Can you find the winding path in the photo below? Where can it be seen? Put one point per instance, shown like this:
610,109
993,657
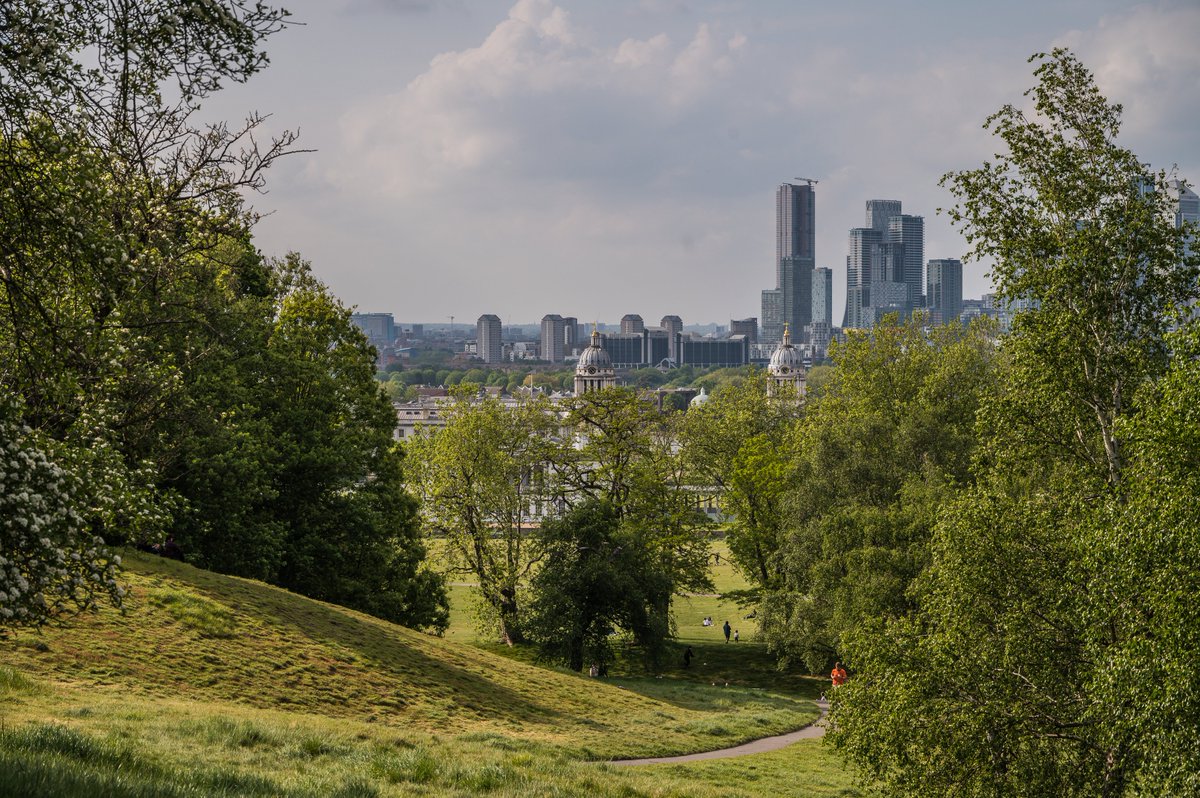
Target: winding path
759,746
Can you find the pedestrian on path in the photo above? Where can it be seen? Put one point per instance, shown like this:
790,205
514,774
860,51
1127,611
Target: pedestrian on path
839,675
727,629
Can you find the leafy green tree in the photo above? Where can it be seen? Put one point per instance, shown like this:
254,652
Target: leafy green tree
872,461
598,579
622,451
481,479
111,195
1051,614
738,443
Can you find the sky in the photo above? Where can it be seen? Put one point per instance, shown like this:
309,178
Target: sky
594,159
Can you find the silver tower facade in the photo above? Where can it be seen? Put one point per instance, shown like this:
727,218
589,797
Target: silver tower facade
795,257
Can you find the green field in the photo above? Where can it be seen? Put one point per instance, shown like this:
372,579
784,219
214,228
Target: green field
212,685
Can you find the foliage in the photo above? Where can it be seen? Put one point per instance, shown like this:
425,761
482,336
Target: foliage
874,459
1052,614
599,579
738,443
49,564
481,479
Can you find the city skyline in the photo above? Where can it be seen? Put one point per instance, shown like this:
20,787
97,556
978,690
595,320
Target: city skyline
532,155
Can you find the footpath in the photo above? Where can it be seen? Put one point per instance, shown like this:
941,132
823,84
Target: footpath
760,746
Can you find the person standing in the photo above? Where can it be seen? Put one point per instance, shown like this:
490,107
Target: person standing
727,629
687,657
736,635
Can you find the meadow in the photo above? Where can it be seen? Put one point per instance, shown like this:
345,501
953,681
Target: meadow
213,685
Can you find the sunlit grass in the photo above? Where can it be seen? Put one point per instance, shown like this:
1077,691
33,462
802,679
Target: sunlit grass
209,685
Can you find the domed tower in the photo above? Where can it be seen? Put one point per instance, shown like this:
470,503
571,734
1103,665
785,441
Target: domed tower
786,369
595,368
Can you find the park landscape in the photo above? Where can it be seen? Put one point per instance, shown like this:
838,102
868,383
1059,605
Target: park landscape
225,686
996,531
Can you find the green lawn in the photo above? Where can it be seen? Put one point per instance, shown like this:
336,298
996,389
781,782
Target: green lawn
211,685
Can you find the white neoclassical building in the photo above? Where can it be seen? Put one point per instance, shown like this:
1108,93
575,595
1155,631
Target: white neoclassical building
594,369
786,369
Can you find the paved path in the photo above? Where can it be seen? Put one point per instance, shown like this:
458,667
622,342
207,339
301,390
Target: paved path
762,745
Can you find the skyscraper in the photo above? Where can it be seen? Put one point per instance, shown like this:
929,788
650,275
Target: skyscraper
487,338
906,235
864,264
795,257
943,296
822,296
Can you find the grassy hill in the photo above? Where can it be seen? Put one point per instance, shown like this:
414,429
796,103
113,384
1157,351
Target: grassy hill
212,685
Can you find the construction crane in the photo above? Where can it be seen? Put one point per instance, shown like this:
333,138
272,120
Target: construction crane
808,180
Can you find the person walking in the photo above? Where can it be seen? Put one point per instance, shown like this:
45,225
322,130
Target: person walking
839,675
687,657
736,635
727,629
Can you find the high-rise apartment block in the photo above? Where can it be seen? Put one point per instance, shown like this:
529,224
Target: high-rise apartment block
487,338
944,290
632,323
822,296
790,302
553,337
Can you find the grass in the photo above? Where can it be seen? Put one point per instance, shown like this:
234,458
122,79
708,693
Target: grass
211,685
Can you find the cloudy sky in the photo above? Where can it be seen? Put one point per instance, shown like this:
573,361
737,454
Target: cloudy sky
601,158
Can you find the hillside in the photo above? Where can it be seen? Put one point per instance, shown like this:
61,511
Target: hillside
204,671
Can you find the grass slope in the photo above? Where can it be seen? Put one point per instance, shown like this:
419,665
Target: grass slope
211,685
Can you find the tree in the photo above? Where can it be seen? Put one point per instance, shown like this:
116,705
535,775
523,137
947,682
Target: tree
482,479
737,443
1054,574
111,191
873,461
598,578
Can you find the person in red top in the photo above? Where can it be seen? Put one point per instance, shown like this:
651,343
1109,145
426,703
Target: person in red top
838,675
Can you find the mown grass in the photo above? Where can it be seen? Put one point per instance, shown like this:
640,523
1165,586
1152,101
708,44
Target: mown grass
209,685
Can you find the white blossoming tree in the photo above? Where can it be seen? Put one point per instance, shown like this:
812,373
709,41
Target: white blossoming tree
50,564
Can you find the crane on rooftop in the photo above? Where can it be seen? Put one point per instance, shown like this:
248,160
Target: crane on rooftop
808,180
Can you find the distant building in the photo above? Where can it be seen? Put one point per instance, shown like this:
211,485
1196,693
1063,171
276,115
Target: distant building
786,369
790,302
906,238
672,325
944,290
488,344
822,297
553,337
721,352
747,327
632,323
573,338
594,371
380,328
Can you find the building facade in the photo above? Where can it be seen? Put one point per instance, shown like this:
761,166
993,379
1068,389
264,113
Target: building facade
944,290
790,302
488,346
553,338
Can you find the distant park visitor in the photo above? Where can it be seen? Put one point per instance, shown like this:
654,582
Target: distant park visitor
838,675
736,635
727,629
687,657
